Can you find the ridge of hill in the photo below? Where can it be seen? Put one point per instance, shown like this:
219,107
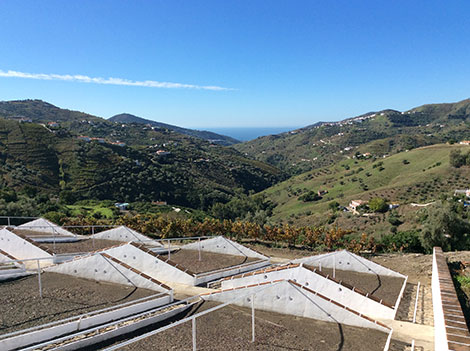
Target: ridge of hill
97,159
39,111
421,175
378,133
202,134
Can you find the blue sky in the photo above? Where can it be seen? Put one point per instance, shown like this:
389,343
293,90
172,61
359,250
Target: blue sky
283,63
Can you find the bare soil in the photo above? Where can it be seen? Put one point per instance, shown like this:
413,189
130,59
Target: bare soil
209,261
87,245
229,328
63,296
385,288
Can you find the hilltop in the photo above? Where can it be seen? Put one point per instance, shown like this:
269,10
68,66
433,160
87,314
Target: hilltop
79,156
378,133
202,134
421,175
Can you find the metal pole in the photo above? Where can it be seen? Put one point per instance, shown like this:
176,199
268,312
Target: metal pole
92,236
320,266
194,334
169,252
416,303
8,221
413,345
39,277
334,266
252,318
199,248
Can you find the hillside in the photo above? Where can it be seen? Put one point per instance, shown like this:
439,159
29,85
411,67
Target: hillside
155,165
421,175
379,133
202,134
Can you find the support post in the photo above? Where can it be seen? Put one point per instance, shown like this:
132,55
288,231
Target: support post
169,251
416,303
413,345
252,318
39,278
92,237
334,266
193,321
8,221
320,266
199,248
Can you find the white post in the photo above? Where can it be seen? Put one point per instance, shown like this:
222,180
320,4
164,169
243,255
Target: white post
92,237
199,248
320,265
416,303
39,277
334,266
8,221
252,318
169,252
413,345
194,334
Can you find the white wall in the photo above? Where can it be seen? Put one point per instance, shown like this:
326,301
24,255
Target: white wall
222,245
125,234
23,249
97,267
347,261
322,285
286,298
149,264
44,226
440,335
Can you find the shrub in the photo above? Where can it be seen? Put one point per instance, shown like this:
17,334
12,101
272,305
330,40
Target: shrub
407,241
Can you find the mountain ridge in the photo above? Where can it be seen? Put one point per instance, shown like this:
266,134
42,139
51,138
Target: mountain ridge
202,134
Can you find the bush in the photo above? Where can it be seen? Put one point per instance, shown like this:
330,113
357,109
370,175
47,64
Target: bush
378,204
408,241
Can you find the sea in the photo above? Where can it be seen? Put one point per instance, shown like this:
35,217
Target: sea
249,133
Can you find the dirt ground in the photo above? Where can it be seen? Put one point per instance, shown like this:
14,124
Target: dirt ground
385,288
229,328
87,245
209,261
63,296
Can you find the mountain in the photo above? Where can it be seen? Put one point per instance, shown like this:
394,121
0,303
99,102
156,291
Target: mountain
87,157
421,175
212,137
41,111
378,133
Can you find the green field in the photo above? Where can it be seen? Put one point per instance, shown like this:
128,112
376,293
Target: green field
420,175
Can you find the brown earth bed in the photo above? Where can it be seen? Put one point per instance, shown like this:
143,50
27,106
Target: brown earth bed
383,287
229,328
63,296
87,245
209,261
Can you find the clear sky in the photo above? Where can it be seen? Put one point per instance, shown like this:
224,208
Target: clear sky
235,63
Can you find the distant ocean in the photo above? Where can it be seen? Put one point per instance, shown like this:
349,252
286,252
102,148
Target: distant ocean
246,133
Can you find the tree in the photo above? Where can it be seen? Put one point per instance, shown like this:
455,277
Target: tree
443,227
333,205
378,204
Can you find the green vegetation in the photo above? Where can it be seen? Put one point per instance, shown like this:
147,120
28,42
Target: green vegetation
385,133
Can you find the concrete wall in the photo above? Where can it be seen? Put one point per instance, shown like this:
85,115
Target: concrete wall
125,234
20,248
347,261
289,298
44,226
324,286
150,264
222,245
101,268
81,322
226,272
